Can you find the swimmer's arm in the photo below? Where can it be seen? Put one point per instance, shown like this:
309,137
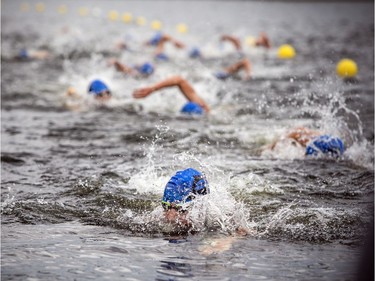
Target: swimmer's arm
39,54
236,42
167,38
223,244
263,41
242,64
302,135
122,68
184,86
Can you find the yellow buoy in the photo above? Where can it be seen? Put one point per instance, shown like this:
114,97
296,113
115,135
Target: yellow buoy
250,41
40,7
141,21
24,7
286,52
346,68
127,17
83,11
182,28
113,15
156,25
62,9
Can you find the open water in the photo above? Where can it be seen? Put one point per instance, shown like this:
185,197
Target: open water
81,189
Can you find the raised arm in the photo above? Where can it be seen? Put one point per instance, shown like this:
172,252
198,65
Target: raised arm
303,135
263,40
164,39
242,64
184,86
235,41
122,68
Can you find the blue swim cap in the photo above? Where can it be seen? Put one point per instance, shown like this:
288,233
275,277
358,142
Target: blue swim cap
195,53
192,108
146,68
184,186
23,54
97,87
222,75
162,56
156,39
326,144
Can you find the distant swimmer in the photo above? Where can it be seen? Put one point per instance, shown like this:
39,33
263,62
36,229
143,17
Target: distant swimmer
236,42
195,106
28,54
159,40
195,53
263,41
243,64
142,70
313,142
180,191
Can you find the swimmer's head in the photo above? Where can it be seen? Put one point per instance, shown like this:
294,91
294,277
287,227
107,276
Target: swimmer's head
99,89
23,54
184,187
146,68
327,145
162,57
195,53
192,108
156,39
222,75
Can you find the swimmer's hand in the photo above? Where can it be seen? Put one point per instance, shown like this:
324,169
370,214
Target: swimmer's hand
179,45
142,92
243,231
71,92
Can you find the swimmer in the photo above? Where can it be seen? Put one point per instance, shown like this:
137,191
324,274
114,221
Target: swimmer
314,143
196,104
243,64
263,41
25,54
121,45
159,41
180,191
97,88
234,40
195,53
142,70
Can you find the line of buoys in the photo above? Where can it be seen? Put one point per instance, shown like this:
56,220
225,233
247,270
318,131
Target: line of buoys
345,68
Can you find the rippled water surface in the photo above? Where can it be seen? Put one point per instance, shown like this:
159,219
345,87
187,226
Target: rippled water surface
81,187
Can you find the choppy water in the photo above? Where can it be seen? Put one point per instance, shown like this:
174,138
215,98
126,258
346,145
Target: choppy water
80,190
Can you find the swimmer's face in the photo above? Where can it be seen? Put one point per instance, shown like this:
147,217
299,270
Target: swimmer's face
175,216
103,96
